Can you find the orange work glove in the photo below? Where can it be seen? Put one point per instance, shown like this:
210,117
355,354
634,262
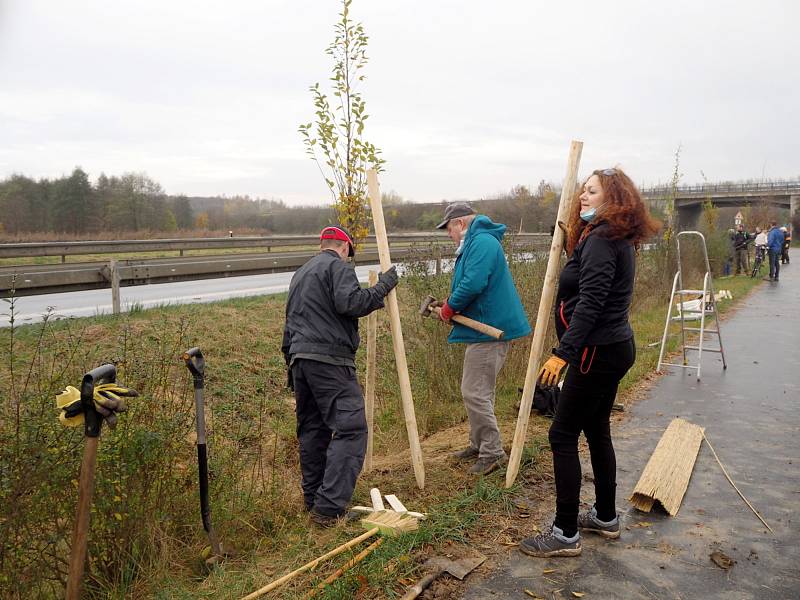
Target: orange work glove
551,370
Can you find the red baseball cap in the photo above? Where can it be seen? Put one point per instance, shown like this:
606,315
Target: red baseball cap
334,232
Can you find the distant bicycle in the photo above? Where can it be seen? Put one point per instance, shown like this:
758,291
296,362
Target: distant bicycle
761,252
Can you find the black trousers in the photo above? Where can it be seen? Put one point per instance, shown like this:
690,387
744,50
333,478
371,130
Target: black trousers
584,405
332,431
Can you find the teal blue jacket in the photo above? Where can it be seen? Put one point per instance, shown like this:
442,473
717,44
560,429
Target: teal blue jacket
482,288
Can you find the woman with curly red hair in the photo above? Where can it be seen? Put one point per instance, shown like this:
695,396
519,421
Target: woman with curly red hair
595,289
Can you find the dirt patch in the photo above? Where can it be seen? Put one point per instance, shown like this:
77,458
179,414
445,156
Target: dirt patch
436,448
499,529
495,538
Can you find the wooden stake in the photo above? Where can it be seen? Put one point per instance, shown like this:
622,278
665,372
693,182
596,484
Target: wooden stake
77,557
338,550
545,309
395,503
397,332
377,501
372,338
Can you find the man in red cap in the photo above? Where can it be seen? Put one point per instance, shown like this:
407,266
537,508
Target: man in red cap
320,340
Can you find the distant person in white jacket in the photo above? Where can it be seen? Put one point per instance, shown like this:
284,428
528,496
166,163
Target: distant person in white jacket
761,245
761,238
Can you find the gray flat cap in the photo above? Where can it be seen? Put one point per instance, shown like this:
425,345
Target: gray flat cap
455,210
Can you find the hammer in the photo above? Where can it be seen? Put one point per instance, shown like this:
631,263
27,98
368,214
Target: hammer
426,308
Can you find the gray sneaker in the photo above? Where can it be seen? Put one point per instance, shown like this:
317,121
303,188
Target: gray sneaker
588,521
468,453
550,544
484,466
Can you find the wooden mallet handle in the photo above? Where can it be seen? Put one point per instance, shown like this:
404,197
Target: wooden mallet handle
419,587
483,328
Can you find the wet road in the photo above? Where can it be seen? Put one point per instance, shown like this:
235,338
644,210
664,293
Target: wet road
29,309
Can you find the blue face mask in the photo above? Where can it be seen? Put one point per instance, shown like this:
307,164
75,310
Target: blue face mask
590,214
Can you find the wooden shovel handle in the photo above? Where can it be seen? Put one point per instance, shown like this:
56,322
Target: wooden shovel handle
420,586
80,534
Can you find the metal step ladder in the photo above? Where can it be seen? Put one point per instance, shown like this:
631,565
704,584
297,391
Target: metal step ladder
704,307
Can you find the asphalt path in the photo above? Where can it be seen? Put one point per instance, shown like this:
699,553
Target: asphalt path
751,413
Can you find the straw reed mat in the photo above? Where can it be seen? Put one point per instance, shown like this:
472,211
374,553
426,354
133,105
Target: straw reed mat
667,473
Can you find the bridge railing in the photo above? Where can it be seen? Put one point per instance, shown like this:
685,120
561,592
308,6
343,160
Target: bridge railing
766,187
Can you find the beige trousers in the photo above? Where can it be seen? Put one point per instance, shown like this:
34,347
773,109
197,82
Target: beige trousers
482,363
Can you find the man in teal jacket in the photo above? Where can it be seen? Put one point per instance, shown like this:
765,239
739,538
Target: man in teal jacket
481,289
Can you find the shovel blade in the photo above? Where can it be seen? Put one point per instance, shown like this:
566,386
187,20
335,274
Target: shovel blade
457,568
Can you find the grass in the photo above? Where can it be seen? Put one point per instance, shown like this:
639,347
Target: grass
460,512
154,548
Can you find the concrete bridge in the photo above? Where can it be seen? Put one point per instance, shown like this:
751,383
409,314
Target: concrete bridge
689,199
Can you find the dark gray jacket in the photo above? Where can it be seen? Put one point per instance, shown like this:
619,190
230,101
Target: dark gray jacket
324,305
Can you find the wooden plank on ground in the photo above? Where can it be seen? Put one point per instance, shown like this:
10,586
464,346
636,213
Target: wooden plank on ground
395,503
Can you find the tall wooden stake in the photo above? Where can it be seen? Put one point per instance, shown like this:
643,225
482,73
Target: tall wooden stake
397,332
372,338
545,309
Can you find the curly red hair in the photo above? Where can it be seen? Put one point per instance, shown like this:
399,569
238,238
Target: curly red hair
624,211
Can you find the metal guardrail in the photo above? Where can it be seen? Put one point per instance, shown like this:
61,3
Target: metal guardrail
29,280
38,249
768,187
30,249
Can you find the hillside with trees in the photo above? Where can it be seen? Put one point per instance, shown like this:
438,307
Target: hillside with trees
134,205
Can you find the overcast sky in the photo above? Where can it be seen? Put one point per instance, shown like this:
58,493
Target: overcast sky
466,98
